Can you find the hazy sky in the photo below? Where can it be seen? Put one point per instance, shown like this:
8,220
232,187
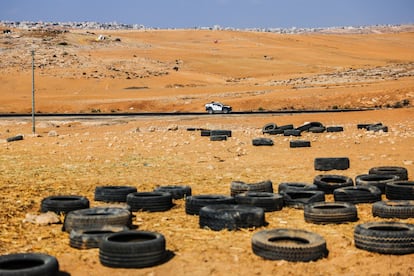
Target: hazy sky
206,13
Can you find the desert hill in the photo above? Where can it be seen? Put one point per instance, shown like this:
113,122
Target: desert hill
180,70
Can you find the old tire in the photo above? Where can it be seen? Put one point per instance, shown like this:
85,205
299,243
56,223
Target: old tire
86,239
150,201
385,237
231,217
334,129
113,193
268,127
358,194
218,137
63,203
291,132
268,201
330,212
299,143
15,138
193,204
298,199
262,142
329,182
238,187
402,209
30,264
401,172
376,180
220,132
292,245
331,163
400,190
296,186
177,192
96,218
132,249
205,132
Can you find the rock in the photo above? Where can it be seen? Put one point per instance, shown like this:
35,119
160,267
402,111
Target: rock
52,133
43,218
172,127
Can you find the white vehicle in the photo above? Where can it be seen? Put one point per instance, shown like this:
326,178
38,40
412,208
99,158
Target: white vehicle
217,107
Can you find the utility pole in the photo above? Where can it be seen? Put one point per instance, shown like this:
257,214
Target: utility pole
33,96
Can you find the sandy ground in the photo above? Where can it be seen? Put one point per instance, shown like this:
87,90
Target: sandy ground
249,71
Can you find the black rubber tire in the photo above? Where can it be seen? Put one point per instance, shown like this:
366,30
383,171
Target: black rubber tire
358,194
375,128
275,131
331,163
231,217
193,204
177,192
268,127
299,143
315,129
307,126
86,239
238,187
401,172
400,190
268,201
376,180
220,132
298,199
205,132
294,245
28,264
330,212
15,138
218,138
329,182
63,203
113,193
133,249
150,201
96,218
285,127
334,129
262,142
402,209
385,237
292,132
366,126
296,186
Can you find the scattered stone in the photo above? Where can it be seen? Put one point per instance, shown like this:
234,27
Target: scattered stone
43,218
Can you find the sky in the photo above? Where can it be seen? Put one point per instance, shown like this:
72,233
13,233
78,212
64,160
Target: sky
207,13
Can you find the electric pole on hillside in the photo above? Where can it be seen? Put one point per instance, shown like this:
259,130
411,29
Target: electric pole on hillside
33,96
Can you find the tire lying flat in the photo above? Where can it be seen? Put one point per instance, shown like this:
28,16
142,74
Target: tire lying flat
400,190
358,194
193,204
377,180
401,172
150,201
231,217
299,198
63,203
293,245
402,209
177,192
385,237
268,201
133,249
113,193
330,212
329,182
29,264
96,218
238,187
